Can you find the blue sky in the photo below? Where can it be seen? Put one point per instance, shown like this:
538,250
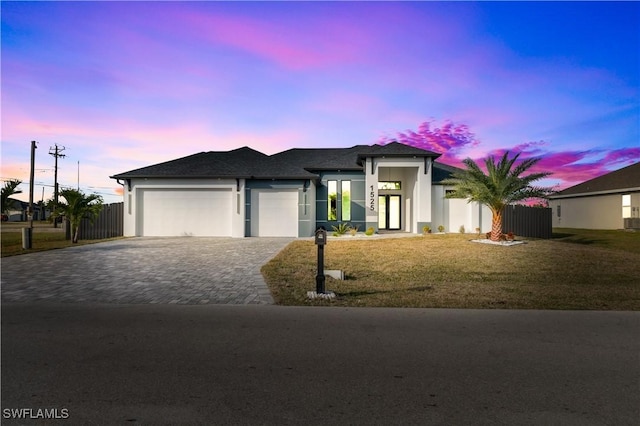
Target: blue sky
123,85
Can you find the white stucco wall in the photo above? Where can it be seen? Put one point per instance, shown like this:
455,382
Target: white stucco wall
591,212
452,213
416,189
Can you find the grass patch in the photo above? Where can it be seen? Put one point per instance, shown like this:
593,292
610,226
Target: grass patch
44,237
448,271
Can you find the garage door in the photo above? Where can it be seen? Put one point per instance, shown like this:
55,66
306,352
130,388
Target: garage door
180,212
274,213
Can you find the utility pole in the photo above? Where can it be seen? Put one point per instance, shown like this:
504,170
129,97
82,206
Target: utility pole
56,153
27,233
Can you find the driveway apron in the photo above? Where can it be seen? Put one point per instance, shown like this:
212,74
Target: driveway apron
180,270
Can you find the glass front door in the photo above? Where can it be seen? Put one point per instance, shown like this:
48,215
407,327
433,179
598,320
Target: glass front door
389,212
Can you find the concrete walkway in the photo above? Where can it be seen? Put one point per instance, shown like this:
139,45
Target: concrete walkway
184,270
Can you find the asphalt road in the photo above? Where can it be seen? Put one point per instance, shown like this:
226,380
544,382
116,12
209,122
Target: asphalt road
272,365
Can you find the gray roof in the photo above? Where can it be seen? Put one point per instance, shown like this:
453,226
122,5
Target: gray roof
244,163
616,181
247,163
442,172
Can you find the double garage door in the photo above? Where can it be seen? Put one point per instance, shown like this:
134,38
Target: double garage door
208,212
185,212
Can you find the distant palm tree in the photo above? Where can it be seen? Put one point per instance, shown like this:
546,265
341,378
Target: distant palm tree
77,207
9,188
501,186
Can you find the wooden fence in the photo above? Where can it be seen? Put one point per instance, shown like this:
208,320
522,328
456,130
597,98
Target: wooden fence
526,221
108,224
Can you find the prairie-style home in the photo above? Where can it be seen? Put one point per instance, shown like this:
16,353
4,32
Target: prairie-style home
245,193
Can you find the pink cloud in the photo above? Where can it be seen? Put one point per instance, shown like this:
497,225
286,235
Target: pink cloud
449,139
318,41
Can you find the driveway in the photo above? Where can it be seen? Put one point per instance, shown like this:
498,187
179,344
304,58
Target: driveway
181,270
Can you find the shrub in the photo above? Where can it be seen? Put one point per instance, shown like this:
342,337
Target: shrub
369,231
341,229
426,229
353,230
440,228
461,229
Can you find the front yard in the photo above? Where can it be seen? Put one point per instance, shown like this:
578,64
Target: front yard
575,270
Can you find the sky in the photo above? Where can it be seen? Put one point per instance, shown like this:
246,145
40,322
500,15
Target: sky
123,85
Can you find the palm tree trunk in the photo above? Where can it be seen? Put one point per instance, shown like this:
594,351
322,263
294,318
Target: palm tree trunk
496,225
76,230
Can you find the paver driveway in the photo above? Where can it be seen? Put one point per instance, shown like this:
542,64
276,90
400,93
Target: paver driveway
183,270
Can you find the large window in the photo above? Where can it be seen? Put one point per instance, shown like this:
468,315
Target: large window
341,199
626,206
332,200
346,199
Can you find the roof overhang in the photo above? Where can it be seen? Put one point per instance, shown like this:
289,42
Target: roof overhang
595,193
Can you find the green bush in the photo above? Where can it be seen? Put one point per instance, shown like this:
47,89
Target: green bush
341,229
370,231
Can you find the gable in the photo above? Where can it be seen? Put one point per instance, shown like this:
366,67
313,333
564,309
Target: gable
296,163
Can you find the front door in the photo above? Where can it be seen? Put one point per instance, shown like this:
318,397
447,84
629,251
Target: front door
389,212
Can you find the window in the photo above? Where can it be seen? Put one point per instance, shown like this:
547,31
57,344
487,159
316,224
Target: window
390,185
342,199
626,206
332,200
346,199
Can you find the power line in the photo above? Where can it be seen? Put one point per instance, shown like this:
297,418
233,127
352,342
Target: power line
56,153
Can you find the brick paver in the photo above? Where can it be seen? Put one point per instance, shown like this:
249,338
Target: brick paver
181,270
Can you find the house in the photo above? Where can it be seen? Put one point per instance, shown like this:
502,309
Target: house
17,211
600,203
243,192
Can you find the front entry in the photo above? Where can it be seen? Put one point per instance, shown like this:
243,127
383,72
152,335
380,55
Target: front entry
389,212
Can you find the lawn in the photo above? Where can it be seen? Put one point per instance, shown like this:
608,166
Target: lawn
576,269
44,237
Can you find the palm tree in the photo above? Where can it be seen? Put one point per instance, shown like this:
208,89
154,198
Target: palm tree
77,207
502,185
9,188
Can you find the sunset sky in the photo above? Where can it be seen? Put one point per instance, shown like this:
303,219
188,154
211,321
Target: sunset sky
123,85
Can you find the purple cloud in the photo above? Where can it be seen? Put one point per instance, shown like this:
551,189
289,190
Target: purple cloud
568,167
449,139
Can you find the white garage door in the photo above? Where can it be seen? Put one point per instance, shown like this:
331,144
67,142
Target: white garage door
274,213
181,212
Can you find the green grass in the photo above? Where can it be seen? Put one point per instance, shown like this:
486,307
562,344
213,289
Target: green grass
44,237
574,270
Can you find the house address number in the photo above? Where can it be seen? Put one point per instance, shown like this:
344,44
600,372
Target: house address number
372,199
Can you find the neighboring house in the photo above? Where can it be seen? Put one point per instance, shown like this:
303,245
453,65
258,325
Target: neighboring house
243,192
17,211
600,203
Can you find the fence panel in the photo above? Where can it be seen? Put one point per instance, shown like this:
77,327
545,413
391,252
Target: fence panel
527,221
108,224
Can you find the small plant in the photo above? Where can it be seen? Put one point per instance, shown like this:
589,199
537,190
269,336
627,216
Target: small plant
426,229
440,228
369,231
341,229
510,236
353,230
461,229
478,232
